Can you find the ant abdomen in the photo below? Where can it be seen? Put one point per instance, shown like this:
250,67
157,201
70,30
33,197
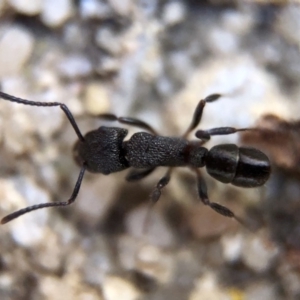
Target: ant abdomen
240,166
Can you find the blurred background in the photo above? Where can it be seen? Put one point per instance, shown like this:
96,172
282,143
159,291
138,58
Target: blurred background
153,60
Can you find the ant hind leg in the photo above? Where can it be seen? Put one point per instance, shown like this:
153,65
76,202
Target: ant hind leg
202,191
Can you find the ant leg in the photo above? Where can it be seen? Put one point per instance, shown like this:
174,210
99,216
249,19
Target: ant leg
128,121
28,209
135,175
198,112
202,191
205,135
155,195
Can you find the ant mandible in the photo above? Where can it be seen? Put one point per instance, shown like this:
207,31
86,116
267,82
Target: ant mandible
104,151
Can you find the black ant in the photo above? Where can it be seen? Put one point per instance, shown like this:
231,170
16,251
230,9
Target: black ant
104,151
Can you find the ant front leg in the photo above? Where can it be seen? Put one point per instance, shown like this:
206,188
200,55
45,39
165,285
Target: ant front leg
199,111
128,121
205,135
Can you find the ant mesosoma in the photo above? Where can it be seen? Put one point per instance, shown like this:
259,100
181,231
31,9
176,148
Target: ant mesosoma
104,151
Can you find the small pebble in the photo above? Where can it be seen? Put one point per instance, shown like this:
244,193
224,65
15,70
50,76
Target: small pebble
157,232
123,7
262,291
56,12
290,279
107,65
96,98
108,40
16,46
222,41
206,288
75,66
258,253
94,9
174,12
52,287
127,249
232,247
29,8
5,281
49,255
99,260
288,23
115,288
155,263
239,23
28,230
75,36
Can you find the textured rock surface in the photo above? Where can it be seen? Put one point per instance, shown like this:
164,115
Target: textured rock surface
152,60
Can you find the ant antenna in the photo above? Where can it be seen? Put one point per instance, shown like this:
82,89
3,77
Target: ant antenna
71,119
46,104
28,209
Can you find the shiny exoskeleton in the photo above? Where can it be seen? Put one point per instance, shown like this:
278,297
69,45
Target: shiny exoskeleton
105,151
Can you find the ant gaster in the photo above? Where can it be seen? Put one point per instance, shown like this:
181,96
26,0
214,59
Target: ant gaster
104,151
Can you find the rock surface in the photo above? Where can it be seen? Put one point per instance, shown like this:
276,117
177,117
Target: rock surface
152,60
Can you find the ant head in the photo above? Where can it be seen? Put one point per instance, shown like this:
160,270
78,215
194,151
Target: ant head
101,150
